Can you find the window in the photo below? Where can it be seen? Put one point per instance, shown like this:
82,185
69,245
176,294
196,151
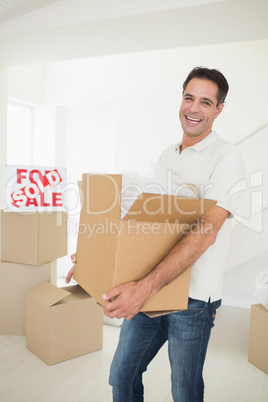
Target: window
19,135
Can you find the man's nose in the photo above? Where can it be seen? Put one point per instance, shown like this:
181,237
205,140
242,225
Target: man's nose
194,107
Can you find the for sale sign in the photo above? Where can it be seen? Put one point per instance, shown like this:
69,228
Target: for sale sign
34,188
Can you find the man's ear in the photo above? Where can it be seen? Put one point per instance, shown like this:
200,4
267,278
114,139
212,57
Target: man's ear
219,110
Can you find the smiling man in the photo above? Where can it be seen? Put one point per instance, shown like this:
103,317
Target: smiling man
198,110
214,166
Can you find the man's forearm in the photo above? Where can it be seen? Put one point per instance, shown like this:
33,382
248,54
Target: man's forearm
181,256
185,253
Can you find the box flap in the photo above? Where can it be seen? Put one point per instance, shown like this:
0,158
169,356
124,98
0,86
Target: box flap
76,293
101,194
96,255
48,294
162,208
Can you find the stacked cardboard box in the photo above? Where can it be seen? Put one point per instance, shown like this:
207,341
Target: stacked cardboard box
258,335
33,238
59,323
30,245
16,281
62,323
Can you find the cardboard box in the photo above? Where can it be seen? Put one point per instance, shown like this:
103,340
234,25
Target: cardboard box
33,238
16,281
62,323
111,251
258,336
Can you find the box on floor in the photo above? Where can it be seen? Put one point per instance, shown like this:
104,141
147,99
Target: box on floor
16,281
258,336
62,323
111,250
33,238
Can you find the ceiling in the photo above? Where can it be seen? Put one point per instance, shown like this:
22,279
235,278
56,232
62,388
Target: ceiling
40,31
10,9
92,9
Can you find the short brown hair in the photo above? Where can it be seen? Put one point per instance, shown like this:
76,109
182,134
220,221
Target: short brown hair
211,75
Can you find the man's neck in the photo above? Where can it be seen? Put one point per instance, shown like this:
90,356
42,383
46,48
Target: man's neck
188,141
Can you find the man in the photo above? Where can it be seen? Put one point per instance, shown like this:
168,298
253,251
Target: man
215,167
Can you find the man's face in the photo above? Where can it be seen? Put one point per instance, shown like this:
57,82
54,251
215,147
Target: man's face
199,108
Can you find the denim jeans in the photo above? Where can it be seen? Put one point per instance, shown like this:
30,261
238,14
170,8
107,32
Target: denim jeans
187,333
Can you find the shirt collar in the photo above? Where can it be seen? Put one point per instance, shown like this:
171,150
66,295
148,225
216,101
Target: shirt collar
205,143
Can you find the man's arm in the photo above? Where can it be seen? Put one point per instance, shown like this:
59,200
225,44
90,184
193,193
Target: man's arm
71,272
127,300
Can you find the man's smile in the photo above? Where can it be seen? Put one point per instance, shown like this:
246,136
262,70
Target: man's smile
192,119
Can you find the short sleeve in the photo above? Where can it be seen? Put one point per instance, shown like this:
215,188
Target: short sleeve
226,180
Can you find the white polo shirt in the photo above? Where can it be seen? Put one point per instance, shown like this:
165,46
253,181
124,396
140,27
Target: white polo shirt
216,168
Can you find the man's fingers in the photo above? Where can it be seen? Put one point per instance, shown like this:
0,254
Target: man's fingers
69,275
73,258
71,272
111,294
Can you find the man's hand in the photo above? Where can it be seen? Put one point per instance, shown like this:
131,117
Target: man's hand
71,272
125,301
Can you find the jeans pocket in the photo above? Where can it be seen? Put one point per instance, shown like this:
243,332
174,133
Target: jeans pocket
215,306
192,316
198,305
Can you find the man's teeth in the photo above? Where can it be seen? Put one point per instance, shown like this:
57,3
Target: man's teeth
193,120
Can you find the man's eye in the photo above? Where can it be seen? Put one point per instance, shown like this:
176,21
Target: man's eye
206,103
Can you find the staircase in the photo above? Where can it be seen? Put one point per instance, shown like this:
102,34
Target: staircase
248,249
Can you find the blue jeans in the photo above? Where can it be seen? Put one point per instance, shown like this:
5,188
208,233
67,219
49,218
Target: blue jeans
187,333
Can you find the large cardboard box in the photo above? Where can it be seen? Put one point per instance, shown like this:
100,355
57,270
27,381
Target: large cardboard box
111,251
258,337
33,238
62,323
16,281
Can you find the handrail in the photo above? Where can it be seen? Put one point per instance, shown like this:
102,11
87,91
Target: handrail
252,134
235,222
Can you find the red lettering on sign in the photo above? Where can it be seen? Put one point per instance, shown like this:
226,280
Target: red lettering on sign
57,199
31,201
30,192
42,201
20,175
34,172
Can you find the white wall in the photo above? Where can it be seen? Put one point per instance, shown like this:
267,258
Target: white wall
27,83
3,129
145,90
254,151
44,138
